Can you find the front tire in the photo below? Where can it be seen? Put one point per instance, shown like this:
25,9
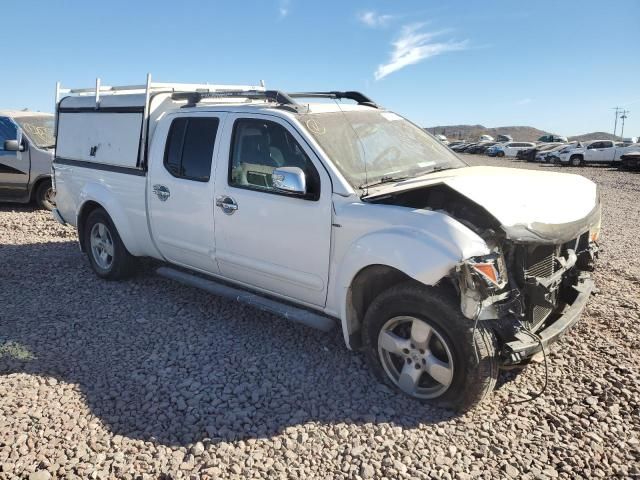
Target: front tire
107,254
500,154
576,161
417,340
45,196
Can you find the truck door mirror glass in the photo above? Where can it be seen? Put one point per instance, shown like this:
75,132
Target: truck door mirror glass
289,180
13,146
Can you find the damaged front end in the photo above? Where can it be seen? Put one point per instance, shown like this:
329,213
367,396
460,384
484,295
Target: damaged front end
533,285
532,293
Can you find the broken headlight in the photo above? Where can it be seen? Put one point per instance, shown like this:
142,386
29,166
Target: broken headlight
490,268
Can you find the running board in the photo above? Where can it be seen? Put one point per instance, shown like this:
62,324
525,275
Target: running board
296,314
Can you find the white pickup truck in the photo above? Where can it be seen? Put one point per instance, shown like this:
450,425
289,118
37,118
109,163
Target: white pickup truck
332,213
597,151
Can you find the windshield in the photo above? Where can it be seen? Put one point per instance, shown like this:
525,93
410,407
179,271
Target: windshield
39,129
370,147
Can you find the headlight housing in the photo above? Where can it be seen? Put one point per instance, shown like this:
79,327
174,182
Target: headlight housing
491,269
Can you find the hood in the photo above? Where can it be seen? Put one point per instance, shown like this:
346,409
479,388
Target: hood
530,205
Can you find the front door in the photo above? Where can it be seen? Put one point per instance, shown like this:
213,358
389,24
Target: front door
14,166
267,239
180,189
607,152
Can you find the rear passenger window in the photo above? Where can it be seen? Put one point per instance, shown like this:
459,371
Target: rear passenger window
189,150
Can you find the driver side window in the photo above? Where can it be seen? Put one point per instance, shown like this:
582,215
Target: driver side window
8,131
259,147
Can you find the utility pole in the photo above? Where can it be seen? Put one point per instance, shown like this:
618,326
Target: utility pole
623,116
615,125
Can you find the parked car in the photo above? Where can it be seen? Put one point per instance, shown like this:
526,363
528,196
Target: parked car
529,154
486,138
509,149
631,160
460,147
504,138
482,148
26,152
552,139
455,143
554,156
476,148
443,139
543,151
596,151
416,256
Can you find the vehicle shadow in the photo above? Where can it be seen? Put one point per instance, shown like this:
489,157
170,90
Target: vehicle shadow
159,361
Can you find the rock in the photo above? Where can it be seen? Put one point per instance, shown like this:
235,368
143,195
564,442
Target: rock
367,471
197,449
40,475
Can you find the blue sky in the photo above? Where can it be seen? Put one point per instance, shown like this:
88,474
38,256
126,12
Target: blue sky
555,65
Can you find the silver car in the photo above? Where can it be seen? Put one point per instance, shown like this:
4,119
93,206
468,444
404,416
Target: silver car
26,152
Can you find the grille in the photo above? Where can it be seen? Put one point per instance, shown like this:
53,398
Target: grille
540,263
543,268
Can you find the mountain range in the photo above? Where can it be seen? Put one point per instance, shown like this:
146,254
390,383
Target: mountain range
525,134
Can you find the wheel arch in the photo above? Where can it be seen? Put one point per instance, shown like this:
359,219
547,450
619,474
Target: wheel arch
96,196
35,184
380,259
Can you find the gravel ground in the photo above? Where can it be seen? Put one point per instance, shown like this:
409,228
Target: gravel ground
151,379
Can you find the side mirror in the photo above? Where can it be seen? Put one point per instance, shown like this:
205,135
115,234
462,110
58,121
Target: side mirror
289,180
13,146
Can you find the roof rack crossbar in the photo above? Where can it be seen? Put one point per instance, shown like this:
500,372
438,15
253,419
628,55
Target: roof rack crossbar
349,95
269,95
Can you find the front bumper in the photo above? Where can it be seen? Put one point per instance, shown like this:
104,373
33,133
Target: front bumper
525,345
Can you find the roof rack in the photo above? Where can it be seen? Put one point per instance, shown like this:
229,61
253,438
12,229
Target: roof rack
350,95
150,87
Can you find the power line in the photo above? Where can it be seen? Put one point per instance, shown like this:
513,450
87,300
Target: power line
615,124
623,116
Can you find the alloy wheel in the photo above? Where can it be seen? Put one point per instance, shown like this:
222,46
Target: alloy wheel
416,357
102,245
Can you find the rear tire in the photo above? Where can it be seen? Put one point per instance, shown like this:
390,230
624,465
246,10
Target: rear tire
44,195
576,161
411,332
107,254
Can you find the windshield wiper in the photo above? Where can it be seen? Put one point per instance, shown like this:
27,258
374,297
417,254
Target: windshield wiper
385,179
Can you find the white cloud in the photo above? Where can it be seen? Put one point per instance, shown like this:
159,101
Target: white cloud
373,19
413,46
283,9
524,101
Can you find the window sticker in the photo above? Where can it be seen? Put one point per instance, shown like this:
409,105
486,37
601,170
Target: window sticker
315,128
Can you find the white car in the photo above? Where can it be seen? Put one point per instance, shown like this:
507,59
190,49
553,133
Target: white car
596,151
331,215
511,149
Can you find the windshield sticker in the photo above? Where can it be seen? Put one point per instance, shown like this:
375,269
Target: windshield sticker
315,128
392,117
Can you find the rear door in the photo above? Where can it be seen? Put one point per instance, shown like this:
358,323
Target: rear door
266,239
180,189
14,166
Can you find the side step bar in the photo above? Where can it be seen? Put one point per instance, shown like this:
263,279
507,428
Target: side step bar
300,315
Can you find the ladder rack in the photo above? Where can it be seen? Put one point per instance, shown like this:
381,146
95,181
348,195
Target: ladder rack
151,87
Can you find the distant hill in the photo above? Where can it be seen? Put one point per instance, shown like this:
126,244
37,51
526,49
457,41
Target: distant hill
595,136
525,134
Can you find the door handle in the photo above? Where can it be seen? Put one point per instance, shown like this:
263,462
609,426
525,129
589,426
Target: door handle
227,204
162,192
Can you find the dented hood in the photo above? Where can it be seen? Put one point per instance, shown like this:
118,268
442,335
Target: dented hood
530,205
